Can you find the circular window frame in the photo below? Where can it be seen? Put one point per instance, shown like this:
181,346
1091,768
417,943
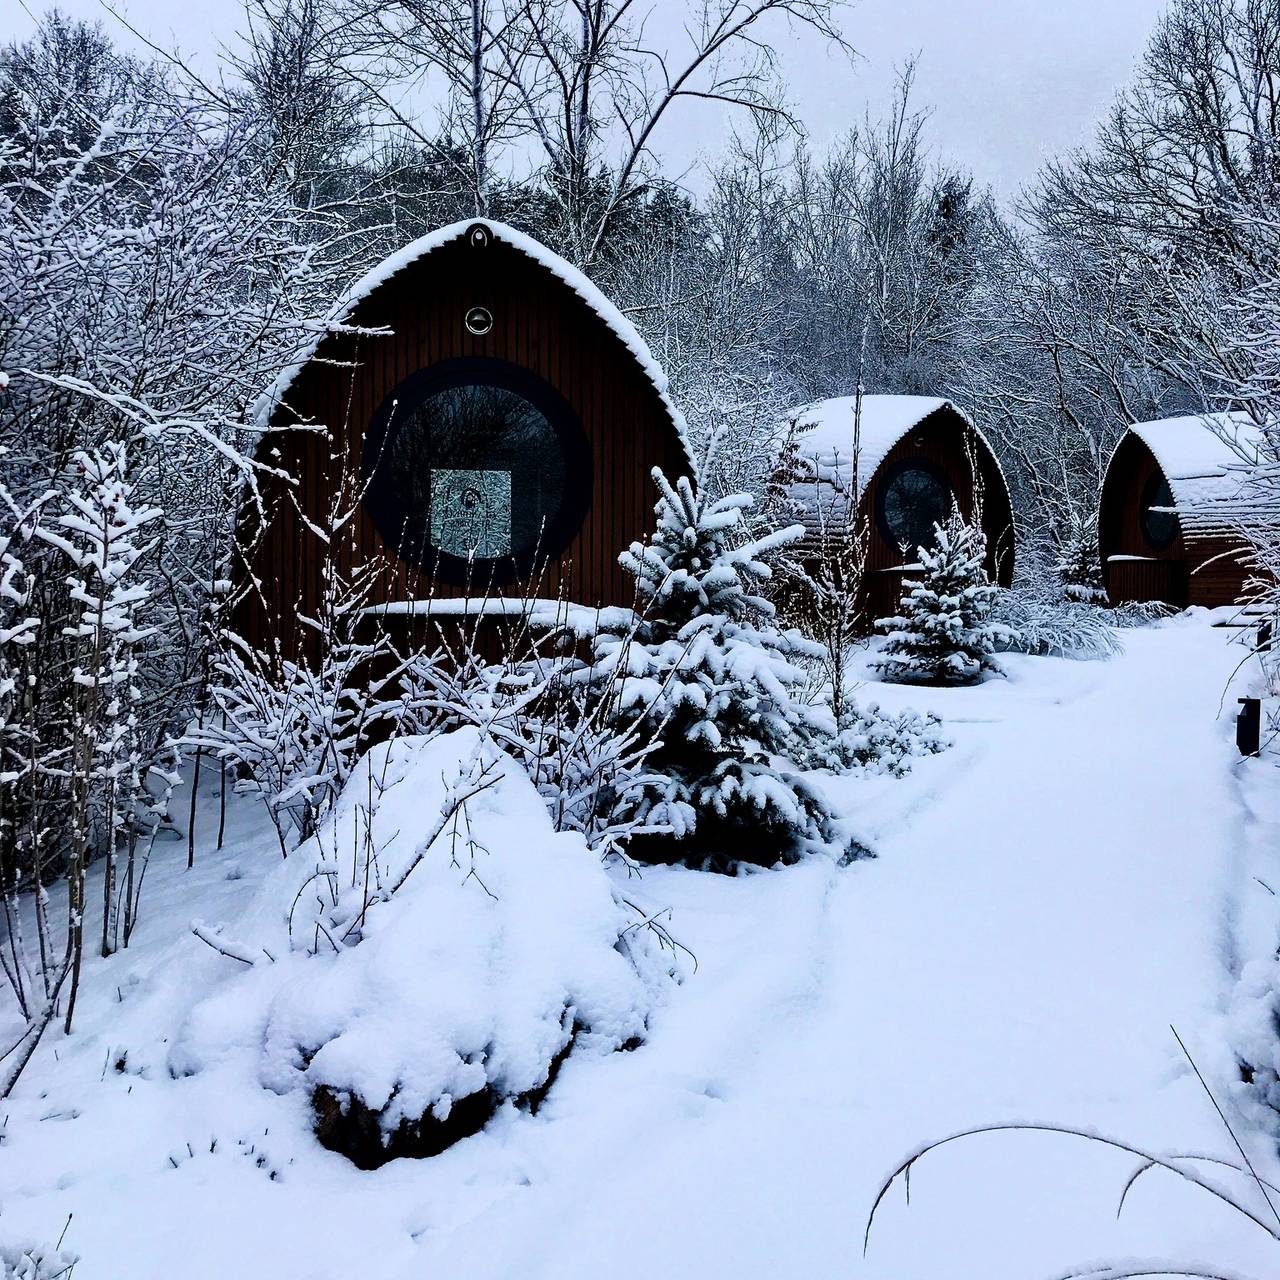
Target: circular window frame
1146,500
885,481
399,406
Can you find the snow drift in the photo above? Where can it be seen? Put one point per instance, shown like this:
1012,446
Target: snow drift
434,952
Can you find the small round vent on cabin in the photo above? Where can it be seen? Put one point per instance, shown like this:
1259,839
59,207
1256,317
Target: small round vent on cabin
479,320
478,236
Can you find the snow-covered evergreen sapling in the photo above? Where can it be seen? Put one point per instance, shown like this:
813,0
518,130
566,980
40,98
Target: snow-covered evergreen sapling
1079,565
943,631
709,675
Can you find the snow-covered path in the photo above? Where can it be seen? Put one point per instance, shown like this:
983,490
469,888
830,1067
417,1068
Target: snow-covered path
1049,896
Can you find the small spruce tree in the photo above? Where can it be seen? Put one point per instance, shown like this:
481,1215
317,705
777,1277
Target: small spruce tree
1079,566
704,669
942,633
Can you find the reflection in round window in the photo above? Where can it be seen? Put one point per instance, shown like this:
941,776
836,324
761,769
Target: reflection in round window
1158,527
913,498
477,471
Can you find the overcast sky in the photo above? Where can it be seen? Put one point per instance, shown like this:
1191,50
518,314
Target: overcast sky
1010,81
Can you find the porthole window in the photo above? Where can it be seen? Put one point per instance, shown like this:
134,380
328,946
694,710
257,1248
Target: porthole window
476,472
1159,527
914,496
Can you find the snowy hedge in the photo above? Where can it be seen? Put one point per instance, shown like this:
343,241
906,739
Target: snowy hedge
434,952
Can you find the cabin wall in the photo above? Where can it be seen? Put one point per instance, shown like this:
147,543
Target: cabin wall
539,325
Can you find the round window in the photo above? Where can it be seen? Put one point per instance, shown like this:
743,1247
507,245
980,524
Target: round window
914,496
1158,527
476,471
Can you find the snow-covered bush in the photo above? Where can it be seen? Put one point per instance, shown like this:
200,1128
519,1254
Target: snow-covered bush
36,1262
707,675
100,527
870,740
590,771
944,632
1029,623
294,728
433,952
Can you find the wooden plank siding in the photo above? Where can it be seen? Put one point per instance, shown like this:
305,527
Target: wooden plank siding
540,325
1200,566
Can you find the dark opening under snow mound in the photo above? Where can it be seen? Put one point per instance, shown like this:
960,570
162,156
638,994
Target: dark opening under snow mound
353,1129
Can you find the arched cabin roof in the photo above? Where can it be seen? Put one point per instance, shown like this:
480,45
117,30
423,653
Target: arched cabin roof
1203,457
824,441
339,316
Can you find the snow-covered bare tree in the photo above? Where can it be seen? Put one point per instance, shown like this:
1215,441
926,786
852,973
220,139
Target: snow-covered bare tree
154,276
102,534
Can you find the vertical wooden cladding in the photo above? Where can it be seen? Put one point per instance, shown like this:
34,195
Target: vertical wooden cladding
945,441
1201,565
540,325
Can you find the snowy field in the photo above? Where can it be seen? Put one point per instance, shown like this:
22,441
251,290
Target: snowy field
1049,897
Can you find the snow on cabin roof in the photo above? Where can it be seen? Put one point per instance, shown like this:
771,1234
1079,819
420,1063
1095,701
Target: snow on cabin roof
619,325
1202,457
825,430
824,439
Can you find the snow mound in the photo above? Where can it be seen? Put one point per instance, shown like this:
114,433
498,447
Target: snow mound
418,953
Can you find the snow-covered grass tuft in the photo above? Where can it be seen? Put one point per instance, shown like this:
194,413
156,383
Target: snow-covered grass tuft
437,945
1030,622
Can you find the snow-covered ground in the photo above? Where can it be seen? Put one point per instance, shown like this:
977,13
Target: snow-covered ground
1049,897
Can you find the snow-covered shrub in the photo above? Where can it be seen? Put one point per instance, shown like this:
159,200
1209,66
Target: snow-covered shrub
706,675
294,729
870,740
434,951
590,771
944,632
1030,623
821,593
36,1262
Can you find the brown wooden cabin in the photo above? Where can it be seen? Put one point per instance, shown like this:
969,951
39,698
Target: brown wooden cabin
907,459
497,428
1166,528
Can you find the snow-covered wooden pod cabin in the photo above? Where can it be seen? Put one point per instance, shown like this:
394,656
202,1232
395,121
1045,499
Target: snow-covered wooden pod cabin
1168,528
906,459
502,427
